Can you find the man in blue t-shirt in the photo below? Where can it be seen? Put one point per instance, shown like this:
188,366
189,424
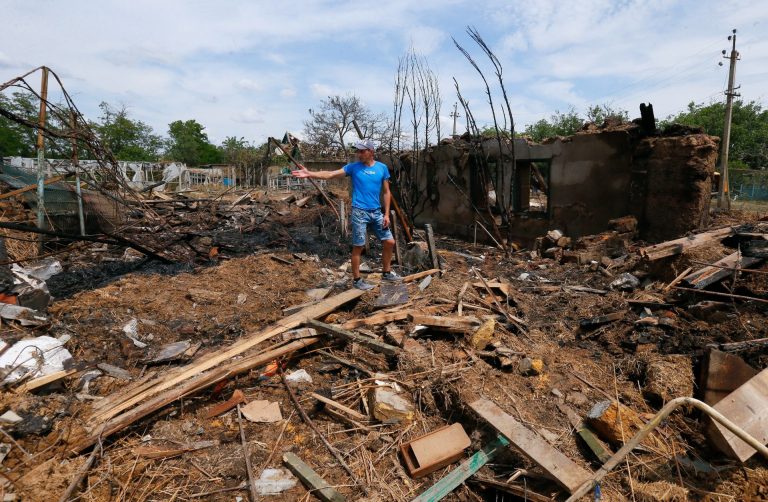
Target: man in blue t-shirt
370,187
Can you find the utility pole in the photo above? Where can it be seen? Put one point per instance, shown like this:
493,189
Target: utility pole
455,115
41,153
723,189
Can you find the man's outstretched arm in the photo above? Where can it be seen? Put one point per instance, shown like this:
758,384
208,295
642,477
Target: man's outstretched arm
385,199
303,172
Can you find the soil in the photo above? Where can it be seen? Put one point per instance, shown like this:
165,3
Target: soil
219,297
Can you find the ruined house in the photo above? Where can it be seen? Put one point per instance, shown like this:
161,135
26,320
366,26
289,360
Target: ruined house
575,184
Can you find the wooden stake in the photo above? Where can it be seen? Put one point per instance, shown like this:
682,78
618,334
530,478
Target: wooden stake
677,279
314,428
395,233
296,163
247,455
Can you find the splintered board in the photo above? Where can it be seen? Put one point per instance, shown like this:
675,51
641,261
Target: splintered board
564,470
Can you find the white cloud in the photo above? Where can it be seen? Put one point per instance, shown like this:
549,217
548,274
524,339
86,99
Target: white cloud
514,42
321,90
249,116
248,84
425,39
248,70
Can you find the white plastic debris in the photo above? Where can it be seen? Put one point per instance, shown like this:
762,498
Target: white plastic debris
299,376
25,316
43,269
10,417
31,291
131,330
274,481
37,357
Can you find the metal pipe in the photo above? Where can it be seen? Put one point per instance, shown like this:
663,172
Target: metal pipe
668,408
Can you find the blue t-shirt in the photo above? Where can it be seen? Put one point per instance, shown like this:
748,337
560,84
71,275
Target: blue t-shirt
366,184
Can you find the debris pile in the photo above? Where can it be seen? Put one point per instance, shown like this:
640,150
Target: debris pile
484,374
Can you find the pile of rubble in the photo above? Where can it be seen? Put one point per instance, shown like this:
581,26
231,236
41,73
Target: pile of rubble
484,375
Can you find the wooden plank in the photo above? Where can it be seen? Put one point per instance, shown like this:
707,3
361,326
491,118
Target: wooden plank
683,244
564,470
198,366
44,380
431,246
349,336
419,275
30,188
721,374
314,483
451,324
189,386
456,477
222,359
501,286
396,236
387,317
719,270
339,406
747,407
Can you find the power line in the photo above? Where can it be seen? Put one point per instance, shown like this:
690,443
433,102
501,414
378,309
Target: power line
650,77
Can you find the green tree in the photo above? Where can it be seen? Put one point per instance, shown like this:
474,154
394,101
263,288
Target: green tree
128,139
559,124
600,113
565,124
749,129
241,153
15,139
189,144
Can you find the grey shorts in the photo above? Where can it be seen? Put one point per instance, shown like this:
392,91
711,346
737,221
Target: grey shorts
372,219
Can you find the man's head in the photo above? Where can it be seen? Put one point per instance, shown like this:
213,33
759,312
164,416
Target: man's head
364,150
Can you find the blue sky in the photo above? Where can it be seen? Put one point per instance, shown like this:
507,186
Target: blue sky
254,68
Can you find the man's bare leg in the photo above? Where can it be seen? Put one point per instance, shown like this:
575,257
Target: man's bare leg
386,255
356,252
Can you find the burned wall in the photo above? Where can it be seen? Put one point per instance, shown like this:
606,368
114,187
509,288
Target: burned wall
594,177
590,177
679,180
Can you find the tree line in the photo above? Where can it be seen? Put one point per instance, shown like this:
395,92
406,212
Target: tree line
128,138
330,126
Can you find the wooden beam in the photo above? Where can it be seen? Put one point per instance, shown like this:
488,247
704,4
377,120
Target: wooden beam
719,270
312,480
419,275
190,386
339,332
242,345
330,402
44,380
387,317
683,244
562,469
161,390
450,324
431,246
314,183
29,188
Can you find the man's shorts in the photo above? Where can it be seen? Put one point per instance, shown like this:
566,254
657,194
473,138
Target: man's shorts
364,218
